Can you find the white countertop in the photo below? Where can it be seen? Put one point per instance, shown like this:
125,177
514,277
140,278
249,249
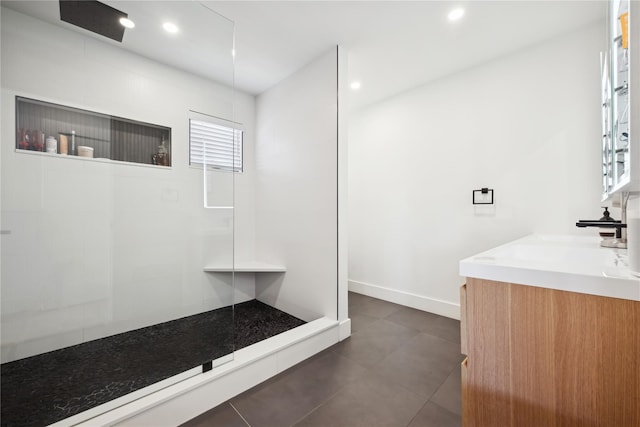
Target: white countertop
566,263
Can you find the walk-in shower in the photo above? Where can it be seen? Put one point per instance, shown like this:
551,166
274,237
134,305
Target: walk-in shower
104,297
160,229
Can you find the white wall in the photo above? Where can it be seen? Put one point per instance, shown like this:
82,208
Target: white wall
526,125
296,190
98,248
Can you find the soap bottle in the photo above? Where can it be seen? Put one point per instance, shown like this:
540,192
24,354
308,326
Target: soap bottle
607,233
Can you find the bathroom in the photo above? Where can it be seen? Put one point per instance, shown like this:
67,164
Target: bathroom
145,237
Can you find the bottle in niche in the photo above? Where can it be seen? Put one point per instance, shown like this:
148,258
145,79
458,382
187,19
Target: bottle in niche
27,139
23,139
52,145
37,140
64,144
161,157
72,149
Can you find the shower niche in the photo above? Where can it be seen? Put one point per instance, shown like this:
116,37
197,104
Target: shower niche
67,131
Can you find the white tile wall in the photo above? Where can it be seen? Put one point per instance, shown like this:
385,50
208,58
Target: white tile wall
100,248
296,162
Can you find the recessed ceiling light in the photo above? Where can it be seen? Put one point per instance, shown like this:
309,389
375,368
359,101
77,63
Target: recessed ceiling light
355,85
127,23
456,14
170,27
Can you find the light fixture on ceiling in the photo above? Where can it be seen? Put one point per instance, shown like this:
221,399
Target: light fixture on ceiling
456,14
355,85
127,23
170,27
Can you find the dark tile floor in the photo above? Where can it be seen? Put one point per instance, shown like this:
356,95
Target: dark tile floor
399,368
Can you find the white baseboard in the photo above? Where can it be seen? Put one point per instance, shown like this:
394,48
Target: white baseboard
252,365
420,302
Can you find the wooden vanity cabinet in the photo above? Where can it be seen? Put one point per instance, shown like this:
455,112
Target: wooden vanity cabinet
543,357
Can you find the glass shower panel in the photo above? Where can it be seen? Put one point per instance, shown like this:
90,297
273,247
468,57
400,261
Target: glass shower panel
218,187
105,297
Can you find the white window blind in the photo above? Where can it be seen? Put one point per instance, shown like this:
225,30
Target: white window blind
215,145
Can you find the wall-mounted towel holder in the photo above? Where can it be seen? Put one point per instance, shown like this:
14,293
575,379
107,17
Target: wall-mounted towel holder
484,196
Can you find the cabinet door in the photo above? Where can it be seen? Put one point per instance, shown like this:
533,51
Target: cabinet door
533,350
488,382
541,357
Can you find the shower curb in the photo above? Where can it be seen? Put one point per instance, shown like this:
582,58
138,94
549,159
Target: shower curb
178,403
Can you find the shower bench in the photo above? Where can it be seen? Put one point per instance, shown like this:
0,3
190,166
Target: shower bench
247,267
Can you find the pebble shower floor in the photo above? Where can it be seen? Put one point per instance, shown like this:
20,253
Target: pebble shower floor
46,388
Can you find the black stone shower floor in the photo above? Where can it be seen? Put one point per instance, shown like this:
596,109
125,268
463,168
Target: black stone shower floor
43,389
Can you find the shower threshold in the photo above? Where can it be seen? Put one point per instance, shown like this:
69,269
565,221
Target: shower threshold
44,389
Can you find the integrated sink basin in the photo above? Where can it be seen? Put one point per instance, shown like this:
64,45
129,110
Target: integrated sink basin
571,263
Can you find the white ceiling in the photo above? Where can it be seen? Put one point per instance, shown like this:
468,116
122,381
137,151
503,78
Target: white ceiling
392,46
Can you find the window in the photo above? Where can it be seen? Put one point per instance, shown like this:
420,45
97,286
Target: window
215,144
